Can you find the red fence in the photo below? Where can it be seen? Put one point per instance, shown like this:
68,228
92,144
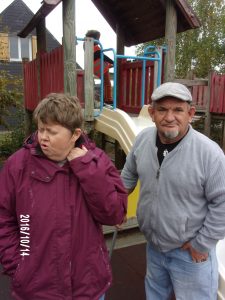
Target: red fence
129,98
30,85
52,72
51,78
217,93
200,96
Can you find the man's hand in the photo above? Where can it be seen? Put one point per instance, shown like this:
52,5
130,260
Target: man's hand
196,256
77,152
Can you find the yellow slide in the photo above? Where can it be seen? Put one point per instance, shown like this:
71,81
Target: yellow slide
119,125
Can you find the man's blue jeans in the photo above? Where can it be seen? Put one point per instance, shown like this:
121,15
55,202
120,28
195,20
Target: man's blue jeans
175,270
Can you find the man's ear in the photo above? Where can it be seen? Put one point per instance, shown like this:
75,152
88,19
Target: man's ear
151,111
191,113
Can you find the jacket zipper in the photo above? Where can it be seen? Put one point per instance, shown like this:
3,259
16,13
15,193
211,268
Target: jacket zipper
158,173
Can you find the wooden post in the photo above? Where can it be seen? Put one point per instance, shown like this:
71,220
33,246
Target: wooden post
69,49
156,66
41,48
120,156
207,122
28,122
170,37
88,80
41,36
28,113
119,50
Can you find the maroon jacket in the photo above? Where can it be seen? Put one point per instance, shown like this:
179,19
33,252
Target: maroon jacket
51,240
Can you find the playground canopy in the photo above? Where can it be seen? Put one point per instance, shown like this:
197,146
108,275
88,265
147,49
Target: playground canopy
144,21
139,21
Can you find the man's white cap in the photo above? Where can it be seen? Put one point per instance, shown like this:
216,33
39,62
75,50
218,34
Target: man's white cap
172,89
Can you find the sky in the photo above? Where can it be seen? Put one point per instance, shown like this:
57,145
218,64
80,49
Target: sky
87,17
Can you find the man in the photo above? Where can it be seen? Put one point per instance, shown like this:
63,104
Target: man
181,209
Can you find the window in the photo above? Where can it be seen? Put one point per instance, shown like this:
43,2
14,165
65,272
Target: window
19,48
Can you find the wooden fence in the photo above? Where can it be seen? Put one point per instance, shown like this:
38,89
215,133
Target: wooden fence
51,72
217,93
199,89
51,78
129,98
30,84
208,95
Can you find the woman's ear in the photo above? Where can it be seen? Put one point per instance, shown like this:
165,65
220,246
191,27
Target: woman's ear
76,134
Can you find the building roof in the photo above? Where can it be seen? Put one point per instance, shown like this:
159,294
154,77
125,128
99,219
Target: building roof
139,21
15,16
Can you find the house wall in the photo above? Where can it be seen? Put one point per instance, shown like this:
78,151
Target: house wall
12,20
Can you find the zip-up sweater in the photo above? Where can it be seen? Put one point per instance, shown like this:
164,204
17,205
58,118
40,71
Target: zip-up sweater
184,198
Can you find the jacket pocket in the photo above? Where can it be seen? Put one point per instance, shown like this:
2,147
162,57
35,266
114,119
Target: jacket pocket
24,274
172,229
18,275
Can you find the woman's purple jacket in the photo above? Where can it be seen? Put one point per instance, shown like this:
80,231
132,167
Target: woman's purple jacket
51,241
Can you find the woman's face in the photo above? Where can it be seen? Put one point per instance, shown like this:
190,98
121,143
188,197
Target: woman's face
55,140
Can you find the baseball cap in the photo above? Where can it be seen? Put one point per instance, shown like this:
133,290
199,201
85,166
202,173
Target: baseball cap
172,89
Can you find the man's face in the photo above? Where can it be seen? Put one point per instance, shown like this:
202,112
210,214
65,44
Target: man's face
171,117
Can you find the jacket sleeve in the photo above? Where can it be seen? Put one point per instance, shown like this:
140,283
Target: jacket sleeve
97,55
129,173
213,228
104,192
9,232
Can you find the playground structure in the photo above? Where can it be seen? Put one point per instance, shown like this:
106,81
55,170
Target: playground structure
119,125
49,75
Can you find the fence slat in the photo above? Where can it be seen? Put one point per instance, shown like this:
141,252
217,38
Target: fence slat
217,96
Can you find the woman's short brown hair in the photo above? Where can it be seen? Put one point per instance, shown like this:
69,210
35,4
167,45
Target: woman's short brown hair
61,109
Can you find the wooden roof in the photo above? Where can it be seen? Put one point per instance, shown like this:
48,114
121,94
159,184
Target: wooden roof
44,10
144,20
139,20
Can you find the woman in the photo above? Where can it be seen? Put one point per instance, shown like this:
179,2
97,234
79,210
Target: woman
56,192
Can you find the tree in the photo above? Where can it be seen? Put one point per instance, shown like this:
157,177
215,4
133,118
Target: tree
10,95
201,50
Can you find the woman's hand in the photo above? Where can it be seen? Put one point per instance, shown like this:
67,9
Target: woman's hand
77,152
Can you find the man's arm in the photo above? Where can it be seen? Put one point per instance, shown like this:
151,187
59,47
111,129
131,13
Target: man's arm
97,55
213,227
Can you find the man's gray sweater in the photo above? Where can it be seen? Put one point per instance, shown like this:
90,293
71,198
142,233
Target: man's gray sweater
184,198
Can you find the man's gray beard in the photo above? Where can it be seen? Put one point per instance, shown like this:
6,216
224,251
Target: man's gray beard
171,134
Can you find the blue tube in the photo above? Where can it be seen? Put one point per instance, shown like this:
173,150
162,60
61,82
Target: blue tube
119,56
